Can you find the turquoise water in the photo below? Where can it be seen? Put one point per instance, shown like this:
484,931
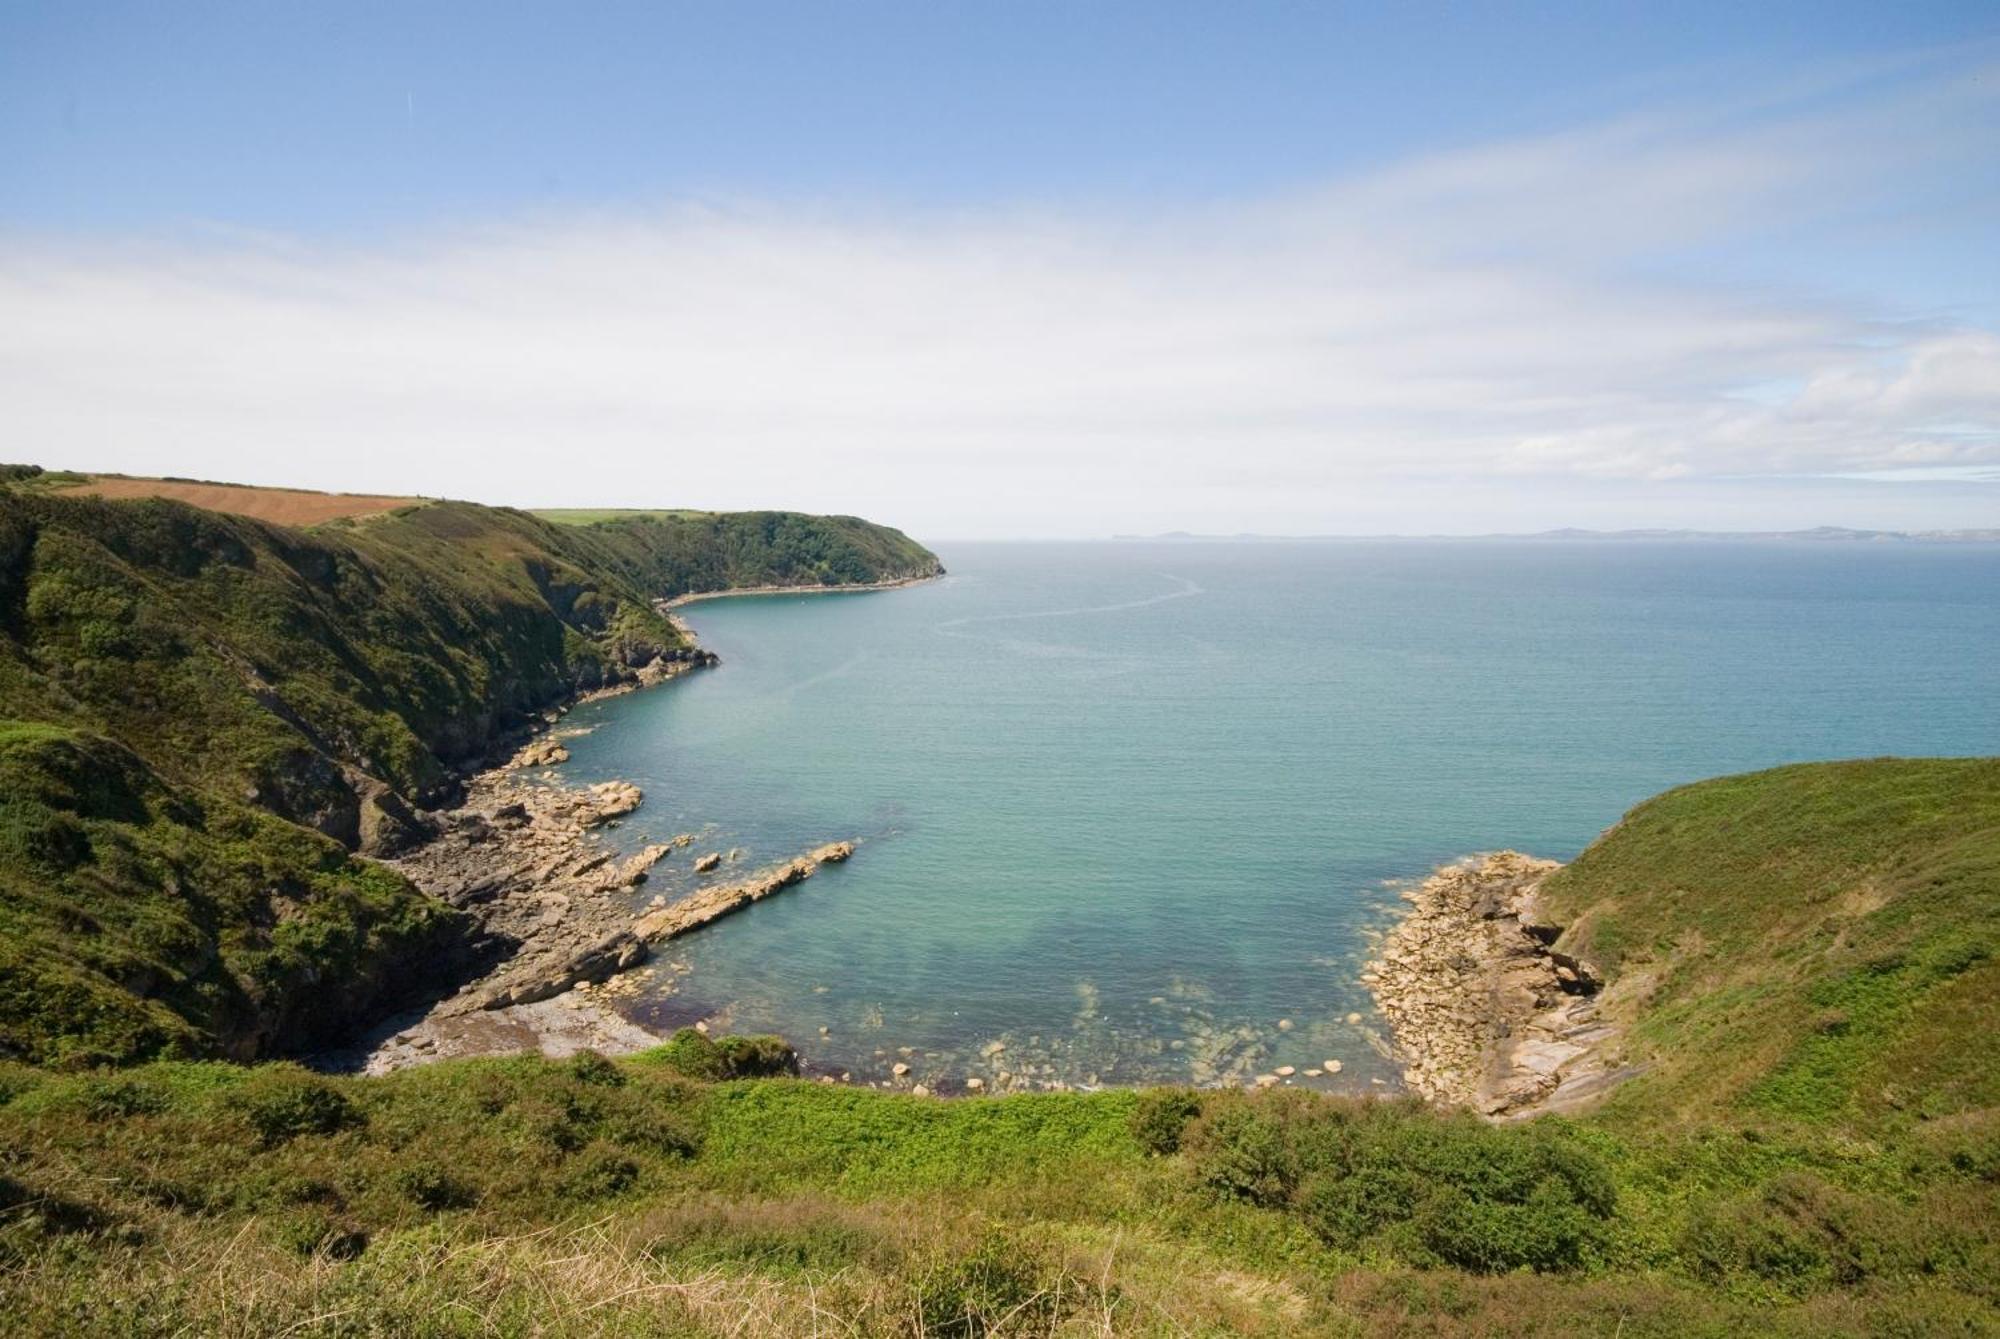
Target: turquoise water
1125,807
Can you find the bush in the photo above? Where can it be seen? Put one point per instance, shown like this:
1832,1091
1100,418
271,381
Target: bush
316,1232
590,1067
1162,1116
284,1102
1433,1189
758,1057
599,1172
688,1053
435,1189
694,1055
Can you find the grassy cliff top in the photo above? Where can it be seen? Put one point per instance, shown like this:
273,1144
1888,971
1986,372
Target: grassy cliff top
1815,944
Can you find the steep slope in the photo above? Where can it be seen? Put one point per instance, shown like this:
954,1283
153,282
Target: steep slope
1814,944
217,672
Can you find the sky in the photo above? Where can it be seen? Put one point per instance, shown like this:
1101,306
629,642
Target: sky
1020,270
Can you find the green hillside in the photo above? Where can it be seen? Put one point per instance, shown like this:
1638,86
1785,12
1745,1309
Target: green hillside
1804,957
1813,944
210,721
203,714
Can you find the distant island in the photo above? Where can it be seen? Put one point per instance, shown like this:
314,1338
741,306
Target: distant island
1824,534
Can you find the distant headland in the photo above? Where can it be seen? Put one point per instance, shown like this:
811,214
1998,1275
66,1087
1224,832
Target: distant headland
1823,534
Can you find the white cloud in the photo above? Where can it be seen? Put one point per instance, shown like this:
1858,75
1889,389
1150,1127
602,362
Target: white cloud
1496,328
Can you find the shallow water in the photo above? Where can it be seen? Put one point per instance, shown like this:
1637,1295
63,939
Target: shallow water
1124,807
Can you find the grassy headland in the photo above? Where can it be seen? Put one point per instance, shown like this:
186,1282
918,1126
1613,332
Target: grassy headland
205,714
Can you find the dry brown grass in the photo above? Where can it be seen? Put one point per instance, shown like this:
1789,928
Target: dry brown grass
282,506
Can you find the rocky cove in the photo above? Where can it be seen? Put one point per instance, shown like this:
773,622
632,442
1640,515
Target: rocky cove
1482,1011
558,913
1485,1011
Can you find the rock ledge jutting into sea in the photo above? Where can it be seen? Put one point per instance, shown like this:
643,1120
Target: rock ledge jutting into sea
1485,1013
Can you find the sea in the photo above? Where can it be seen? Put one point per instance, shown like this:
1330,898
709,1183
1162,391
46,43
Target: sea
1136,812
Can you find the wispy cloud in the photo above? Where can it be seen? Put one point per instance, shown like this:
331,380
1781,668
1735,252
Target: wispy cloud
1516,320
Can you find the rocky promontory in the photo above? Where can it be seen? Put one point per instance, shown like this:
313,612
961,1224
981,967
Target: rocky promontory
1485,1012
529,857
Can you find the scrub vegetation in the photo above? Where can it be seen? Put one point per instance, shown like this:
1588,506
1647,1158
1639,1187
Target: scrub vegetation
1802,959
202,716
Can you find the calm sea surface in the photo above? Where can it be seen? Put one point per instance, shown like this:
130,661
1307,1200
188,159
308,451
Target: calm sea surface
1124,807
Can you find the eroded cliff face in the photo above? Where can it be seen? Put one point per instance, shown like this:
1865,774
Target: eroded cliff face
1486,1013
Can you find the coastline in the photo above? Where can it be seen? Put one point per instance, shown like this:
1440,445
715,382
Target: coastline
858,588
1485,1012
558,934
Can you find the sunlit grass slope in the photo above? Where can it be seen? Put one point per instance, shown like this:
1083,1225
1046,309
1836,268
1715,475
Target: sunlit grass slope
1750,1184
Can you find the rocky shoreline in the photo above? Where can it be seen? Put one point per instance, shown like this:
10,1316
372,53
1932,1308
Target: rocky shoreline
900,583
527,856
1485,1012
555,900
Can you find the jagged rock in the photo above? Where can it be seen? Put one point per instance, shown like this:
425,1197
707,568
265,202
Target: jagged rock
719,900
704,864
1476,997
609,800
540,753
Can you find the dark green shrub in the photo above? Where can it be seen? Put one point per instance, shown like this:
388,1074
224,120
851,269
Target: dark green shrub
118,1097
694,1055
590,1067
433,1188
1549,1232
314,1231
1162,1116
1799,1233
654,1125
687,1053
284,1102
1434,1189
550,1124
1242,1151
599,1172
758,1057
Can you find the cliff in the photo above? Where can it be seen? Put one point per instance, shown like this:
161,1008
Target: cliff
207,712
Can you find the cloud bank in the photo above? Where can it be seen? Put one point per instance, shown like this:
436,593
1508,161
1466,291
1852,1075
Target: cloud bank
1571,330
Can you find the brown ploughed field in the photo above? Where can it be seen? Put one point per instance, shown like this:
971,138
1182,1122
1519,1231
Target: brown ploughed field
284,506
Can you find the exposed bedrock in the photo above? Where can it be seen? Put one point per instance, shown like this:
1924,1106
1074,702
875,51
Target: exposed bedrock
1485,1012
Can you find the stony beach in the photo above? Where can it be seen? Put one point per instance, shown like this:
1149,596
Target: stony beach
1485,1012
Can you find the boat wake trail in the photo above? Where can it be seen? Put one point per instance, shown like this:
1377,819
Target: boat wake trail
1187,590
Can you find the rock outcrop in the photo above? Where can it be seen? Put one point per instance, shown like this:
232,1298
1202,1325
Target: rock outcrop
709,904
1485,1013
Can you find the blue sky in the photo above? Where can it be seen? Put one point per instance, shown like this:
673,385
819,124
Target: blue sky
1029,268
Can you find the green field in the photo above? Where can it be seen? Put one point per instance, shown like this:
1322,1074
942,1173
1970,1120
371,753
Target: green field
599,515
